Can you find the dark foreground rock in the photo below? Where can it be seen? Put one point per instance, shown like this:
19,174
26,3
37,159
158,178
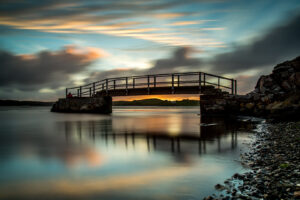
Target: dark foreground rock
275,166
275,96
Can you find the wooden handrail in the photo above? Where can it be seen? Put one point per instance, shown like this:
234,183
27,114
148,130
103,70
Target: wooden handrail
149,81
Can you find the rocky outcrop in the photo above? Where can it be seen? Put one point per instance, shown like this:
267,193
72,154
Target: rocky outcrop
101,105
276,95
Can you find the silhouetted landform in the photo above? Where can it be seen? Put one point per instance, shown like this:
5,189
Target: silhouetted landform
278,93
157,102
24,103
275,96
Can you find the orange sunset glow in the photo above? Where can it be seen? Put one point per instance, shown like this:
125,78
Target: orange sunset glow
162,97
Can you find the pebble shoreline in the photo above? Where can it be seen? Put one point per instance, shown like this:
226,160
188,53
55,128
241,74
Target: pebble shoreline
274,160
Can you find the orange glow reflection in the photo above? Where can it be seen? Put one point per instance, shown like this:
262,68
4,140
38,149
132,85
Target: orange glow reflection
88,186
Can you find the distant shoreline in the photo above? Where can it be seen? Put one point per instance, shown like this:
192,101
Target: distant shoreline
157,102
24,103
144,102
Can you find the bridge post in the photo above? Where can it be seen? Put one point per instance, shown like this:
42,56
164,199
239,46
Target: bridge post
172,83
114,84
133,82
154,81
204,79
232,86
218,82
126,85
148,81
199,81
90,92
80,91
235,87
178,80
94,88
66,92
106,81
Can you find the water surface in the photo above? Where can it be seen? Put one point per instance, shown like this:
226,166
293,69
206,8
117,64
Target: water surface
134,153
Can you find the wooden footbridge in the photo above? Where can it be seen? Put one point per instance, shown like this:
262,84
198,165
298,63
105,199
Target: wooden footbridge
156,84
96,97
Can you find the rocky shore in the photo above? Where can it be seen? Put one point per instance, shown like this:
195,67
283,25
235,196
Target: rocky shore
274,156
274,163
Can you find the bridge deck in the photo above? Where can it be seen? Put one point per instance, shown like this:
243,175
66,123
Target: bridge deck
176,83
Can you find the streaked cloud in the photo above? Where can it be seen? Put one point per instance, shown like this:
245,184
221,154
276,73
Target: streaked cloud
140,20
168,15
187,23
213,29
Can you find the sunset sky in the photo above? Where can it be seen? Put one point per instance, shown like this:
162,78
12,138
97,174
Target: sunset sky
48,45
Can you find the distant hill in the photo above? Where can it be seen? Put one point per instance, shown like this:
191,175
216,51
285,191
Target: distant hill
156,102
24,103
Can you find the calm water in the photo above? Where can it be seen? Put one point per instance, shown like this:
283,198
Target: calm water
135,153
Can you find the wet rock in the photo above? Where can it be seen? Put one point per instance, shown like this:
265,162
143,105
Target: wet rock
297,79
297,194
281,68
285,85
249,106
256,96
220,187
238,176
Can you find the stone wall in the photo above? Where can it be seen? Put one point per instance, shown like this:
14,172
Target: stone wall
101,105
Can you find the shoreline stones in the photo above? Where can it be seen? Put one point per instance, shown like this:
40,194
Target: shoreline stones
274,159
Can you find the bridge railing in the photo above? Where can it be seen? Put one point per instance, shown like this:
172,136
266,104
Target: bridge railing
153,81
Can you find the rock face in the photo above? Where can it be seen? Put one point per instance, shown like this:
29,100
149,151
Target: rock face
101,105
276,95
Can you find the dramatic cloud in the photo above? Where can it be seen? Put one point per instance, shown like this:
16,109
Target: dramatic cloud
179,61
277,45
45,69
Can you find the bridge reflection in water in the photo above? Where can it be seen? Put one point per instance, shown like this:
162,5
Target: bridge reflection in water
213,136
